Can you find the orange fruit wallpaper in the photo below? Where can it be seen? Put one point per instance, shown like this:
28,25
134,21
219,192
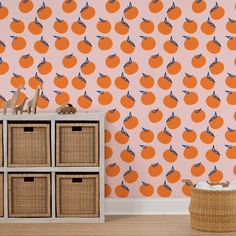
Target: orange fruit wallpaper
164,73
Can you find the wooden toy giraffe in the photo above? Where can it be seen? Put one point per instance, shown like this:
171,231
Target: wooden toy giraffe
32,104
12,102
21,107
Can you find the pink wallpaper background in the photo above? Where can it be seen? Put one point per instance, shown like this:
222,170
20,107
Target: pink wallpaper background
139,181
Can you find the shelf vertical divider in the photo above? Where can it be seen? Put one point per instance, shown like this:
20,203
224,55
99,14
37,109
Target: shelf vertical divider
5,177
53,161
101,167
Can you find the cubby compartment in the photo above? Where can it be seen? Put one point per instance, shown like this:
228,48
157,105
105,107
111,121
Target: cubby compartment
28,144
1,194
77,195
1,145
77,144
29,195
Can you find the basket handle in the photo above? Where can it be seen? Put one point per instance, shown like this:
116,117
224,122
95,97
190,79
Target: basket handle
28,129
77,180
28,179
225,184
187,182
77,128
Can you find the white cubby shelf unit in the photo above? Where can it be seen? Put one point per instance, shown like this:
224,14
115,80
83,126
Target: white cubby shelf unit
54,170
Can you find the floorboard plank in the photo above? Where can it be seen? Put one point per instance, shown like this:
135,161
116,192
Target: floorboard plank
114,226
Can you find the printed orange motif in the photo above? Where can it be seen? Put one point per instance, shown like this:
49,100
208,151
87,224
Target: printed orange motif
127,155
35,27
2,46
155,6
17,26
130,176
78,27
44,12
148,152
112,6
173,175
155,169
207,82
35,81
4,67
60,26
146,189
164,190
190,26
17,80
122,190
212,155
170,155
41,46
79,82
69,6
163,73
26,5
215,175
3,11
190,152
84,101
18,43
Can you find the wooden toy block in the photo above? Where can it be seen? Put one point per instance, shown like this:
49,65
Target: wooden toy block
66,109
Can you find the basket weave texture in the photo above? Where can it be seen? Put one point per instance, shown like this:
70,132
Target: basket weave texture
1,144
77,144
1,195
213,210
29,195
28,145
77,195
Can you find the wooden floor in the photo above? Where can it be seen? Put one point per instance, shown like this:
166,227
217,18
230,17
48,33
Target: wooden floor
114,226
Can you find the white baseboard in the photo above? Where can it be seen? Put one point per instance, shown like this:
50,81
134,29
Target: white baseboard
151,206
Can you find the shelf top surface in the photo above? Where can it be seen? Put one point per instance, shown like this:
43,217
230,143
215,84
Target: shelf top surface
54,116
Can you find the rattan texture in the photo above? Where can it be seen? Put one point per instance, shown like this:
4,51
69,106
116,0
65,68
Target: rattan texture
1,194
28,148
77,147
77,199
1,146
213,210
29,198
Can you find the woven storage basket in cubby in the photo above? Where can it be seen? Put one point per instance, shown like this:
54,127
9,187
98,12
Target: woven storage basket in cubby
1,146
28,145
1,195
213,210
77,144
29,195
77,195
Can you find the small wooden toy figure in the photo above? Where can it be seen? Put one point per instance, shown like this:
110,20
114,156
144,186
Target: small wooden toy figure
66,109
2,100
21,107
12,102
32,104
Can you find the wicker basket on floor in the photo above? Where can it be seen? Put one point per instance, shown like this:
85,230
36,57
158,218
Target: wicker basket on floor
77,144
213,210
1,144
1,195
29,195
28,145
77,195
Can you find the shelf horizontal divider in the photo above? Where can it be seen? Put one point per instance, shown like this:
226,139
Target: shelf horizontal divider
51,169
52,220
